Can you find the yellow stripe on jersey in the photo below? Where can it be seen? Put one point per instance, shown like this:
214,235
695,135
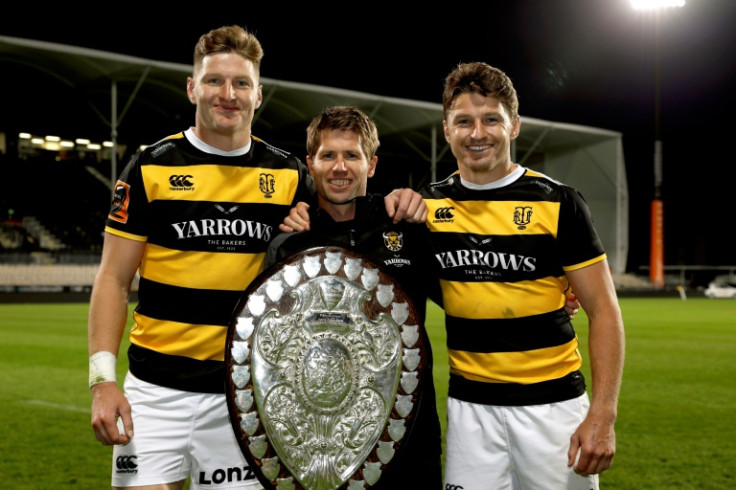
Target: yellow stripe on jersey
482,300
175,136
200,270
532,173
220,183
202,342
130,236
592,261
506,217
517,367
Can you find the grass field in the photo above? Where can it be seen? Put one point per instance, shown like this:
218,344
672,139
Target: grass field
675,429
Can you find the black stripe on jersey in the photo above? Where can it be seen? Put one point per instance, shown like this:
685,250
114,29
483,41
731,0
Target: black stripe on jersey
509,334
251,224
186,305
513,394
508,258
177,151
177,372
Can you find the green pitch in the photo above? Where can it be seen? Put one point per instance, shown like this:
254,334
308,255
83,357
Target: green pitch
675,428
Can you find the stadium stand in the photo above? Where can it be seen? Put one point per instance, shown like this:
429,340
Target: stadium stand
52,213
56,206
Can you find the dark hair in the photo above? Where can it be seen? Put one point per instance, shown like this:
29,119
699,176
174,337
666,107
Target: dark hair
343,118
480,78
229,39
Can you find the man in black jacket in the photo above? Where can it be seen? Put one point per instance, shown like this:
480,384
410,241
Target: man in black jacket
341,154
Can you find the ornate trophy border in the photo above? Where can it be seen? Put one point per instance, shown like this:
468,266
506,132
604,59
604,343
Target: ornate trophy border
269,296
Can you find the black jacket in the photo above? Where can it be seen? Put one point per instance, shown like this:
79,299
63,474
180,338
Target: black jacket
402,250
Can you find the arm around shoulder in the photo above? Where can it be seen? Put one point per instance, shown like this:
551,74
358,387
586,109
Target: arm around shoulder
406,204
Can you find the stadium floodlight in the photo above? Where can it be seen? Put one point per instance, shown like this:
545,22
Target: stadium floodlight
656,4
656,248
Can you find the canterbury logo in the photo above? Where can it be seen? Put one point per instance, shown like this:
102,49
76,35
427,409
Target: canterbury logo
126,462
449,486
444,214
181,181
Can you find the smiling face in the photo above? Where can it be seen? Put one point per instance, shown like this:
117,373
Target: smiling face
479,130
340,169
226,90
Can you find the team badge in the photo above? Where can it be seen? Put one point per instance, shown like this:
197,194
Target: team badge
394,240
267,185
523,216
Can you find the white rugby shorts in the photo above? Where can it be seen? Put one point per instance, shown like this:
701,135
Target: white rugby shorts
492,447
179,434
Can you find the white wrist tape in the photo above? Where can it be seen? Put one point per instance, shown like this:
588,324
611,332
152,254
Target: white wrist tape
102,367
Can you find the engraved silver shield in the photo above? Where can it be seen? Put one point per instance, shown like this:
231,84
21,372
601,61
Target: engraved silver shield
324,364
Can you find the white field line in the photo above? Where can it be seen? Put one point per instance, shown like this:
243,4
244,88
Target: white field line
68,408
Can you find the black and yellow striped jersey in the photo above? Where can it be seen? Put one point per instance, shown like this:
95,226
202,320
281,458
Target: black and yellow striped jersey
207,220
502,252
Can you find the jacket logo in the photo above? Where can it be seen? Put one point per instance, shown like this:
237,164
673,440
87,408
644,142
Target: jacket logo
393,240
181,182
522,216
267,185
443,215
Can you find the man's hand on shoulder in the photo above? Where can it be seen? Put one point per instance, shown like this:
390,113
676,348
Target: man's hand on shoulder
297,220
406,204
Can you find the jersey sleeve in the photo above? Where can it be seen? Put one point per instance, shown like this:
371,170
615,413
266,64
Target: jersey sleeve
579,243
128,208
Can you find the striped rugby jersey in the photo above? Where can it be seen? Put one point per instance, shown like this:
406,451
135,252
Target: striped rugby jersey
207,220
502,253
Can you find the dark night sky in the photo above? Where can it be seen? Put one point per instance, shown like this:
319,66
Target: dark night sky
574,61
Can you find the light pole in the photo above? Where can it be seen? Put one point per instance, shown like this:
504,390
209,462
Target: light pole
656,239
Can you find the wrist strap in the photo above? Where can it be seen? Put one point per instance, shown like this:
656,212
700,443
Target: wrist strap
102,368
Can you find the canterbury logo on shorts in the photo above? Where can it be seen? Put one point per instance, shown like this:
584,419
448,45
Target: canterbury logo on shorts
126,464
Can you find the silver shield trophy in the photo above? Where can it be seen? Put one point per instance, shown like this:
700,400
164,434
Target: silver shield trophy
324,362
